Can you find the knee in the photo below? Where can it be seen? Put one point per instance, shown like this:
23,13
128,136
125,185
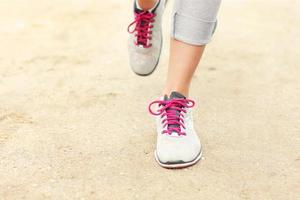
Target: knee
194,21
191,30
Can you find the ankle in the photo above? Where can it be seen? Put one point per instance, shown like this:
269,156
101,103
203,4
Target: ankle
146,4
181,90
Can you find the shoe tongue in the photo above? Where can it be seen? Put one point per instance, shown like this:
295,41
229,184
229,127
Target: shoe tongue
166,97
174,95
177,95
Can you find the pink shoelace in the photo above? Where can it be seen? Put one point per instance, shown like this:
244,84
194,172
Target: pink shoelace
172,111
142,28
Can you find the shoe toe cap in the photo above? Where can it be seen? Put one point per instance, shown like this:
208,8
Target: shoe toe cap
178,153
143,66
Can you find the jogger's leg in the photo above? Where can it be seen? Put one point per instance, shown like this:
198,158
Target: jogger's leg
183,61
178,144
193,24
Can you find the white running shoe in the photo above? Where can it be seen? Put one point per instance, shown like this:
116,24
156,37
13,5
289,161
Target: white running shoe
178,144
145,40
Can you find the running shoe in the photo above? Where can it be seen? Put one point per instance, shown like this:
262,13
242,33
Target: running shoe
145,39
178,144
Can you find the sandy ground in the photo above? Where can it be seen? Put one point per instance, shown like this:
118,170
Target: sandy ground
74,121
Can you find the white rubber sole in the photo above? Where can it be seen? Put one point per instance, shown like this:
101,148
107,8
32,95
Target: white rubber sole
180,165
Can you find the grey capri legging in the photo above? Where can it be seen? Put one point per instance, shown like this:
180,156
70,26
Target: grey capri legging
194,21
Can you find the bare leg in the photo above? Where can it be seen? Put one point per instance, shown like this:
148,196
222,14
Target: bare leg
193,24
183,62
146,4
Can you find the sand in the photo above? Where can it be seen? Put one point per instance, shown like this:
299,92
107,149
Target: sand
74,121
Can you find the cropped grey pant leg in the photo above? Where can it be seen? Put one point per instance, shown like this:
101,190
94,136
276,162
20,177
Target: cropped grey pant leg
194,21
